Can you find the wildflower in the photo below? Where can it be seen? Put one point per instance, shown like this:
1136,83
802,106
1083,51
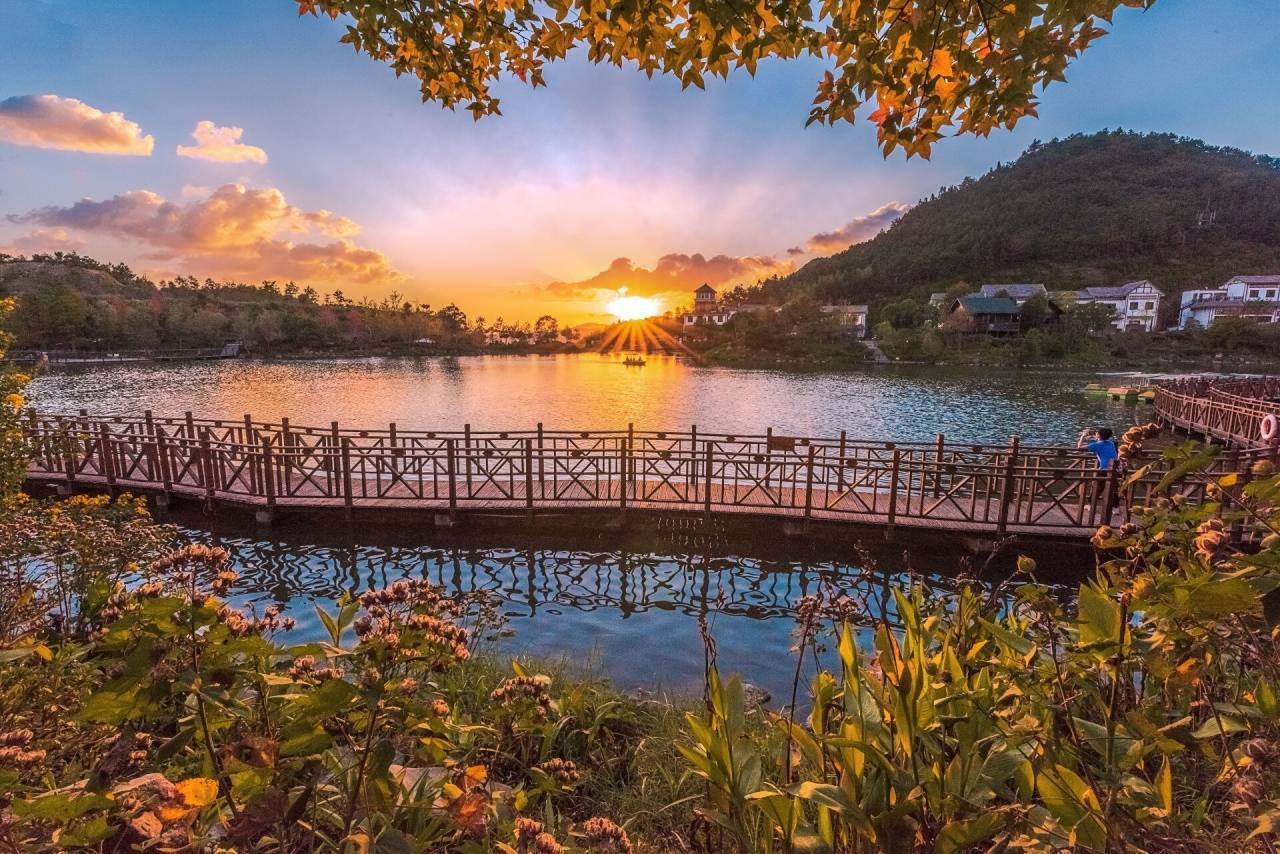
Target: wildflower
563,771
409,685
527,829
370,677
439,708
222,583
1102,537
603,835
302,667
1263,468
545,843
15,400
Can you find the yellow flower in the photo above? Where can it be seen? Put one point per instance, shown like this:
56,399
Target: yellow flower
16,400
198,791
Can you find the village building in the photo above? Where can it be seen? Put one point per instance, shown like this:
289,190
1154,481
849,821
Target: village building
1256,298
985,315
708,310
1135,306
852,317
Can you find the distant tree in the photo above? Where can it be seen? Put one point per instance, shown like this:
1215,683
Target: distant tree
1035,312
970,64
546,330
904,313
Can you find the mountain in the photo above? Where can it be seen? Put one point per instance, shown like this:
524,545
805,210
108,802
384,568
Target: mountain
1095,209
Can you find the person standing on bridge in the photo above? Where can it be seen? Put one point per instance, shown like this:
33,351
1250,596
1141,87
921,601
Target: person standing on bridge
1101,443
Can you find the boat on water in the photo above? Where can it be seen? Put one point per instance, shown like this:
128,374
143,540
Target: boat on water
634,361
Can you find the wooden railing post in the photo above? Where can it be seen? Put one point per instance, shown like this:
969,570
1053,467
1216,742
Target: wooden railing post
268,474
348,499
335,444
693,460
542,474
808,482
631,438
452,469
191,427
894,470
840,461
466,455
149,445
1113,482
70,439
622,474
286,456
104,450
528,477
166,469
206,466
710,463
1006,491
250,445
937,468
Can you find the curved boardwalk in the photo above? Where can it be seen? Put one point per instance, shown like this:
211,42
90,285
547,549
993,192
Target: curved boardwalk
1227,410
999,490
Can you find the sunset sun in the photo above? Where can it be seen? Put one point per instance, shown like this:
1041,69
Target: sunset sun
626,307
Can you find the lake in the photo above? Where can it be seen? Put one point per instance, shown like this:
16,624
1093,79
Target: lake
590,392
625,605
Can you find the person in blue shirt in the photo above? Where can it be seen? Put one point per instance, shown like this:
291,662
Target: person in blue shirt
1100,441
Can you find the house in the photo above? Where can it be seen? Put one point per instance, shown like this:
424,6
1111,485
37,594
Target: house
1254,297
1019,293
1135,306
937,298
852,317
985,315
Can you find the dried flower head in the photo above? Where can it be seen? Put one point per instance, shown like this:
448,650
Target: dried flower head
604,836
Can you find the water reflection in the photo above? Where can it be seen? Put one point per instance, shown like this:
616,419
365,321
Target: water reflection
632,615
590,391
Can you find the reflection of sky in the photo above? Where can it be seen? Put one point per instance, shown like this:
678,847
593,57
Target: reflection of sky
599,392
601,164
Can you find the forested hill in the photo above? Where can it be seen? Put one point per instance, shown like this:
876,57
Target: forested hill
1088,210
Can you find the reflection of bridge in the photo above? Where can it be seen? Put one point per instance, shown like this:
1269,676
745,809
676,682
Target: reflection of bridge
1228,410
79,357
1002,489
530,580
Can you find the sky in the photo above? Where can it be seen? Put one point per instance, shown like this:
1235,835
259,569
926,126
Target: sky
239,141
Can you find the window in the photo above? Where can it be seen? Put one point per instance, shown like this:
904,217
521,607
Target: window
1133,306
1271,294
1254,293
1151,306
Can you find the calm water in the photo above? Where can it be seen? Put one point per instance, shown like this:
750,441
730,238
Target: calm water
626,606
907,403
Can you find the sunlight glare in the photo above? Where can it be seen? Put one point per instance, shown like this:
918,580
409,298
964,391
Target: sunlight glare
626,307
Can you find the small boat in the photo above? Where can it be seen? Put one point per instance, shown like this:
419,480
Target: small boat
1095,388
634,361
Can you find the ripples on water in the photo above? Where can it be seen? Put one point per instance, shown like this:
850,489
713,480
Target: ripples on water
590,391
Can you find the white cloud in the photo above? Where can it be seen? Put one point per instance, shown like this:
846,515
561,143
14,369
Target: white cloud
221,145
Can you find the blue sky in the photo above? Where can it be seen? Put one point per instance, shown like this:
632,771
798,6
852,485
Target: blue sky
600,165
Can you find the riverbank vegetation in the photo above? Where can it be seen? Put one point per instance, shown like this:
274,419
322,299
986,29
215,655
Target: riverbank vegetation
72,302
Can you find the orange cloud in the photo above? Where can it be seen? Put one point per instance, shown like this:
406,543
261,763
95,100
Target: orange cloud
856,230
235,232
47,121
221,145
673,274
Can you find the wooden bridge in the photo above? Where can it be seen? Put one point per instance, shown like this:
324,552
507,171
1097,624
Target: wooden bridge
273,466
1231,411
71,358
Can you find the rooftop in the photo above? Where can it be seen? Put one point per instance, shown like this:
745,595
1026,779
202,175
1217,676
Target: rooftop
1020,290
1257,280
1114,291
987,305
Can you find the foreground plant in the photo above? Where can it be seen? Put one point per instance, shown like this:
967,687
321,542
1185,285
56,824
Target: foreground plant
1147,719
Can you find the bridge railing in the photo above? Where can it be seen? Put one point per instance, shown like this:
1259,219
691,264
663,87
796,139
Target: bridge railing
1227,410
998,488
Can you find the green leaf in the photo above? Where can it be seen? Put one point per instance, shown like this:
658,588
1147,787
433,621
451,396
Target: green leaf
62,807
1099,617
962,835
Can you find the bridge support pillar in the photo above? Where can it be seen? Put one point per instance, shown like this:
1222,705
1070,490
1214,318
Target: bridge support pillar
264,515
164,501
444,520
65,489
